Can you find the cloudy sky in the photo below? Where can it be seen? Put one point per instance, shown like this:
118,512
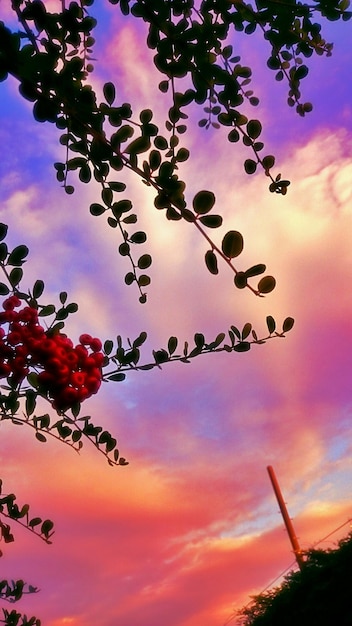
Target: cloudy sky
190,528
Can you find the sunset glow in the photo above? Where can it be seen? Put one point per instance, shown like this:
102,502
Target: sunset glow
190,529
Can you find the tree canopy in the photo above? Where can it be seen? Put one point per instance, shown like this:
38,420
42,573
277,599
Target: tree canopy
318,594
51,55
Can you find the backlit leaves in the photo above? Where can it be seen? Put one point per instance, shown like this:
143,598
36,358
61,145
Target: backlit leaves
250,166
232,244
203,202
211,262
266,284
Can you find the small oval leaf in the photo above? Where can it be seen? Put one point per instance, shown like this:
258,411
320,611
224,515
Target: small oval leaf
271,324
203,202
266,284
232,244
240,280
211,262
288,324
211,221
250,166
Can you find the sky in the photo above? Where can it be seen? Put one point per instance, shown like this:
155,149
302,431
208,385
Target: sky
190,529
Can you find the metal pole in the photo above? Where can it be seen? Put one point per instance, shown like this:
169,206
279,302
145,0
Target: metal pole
288,523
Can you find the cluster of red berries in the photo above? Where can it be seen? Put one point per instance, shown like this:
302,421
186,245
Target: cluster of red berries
67,374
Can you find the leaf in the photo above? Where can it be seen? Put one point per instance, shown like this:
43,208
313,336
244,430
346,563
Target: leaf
233,136
129,278
116,186
124,249
211,262
172,345
240,280
72,307
108,346
199,340
254,128
301,72
31,400
243,346
139,145
160,356
17,256
268,162
117,377
38,288
15,276
130,219
96,209
211,221
120,207
144,261
145,116
138,237
271,324
40,437
4,290
109,92
49,309
246,331
266,284
203,202
217,341
232,244
46,527
3,231
144,280
107,196
154,159
142,337
288,324
255,270
182,155
160,143
3,251
250,166
85,174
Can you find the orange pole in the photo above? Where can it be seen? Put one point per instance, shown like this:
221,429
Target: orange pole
288,522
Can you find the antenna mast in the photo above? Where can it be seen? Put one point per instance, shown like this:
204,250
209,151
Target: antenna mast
288,522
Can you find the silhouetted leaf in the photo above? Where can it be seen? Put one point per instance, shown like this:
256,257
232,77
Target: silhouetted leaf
243,346
144,261
271,324
203,202
211,262
109,92
254,129
266,284
172,345
211,221
232,244
97,209
255,270
17,256
288,324
240,280
250,166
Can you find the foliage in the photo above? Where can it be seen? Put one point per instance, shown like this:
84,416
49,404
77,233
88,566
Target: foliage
42,364
50,55
318,594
